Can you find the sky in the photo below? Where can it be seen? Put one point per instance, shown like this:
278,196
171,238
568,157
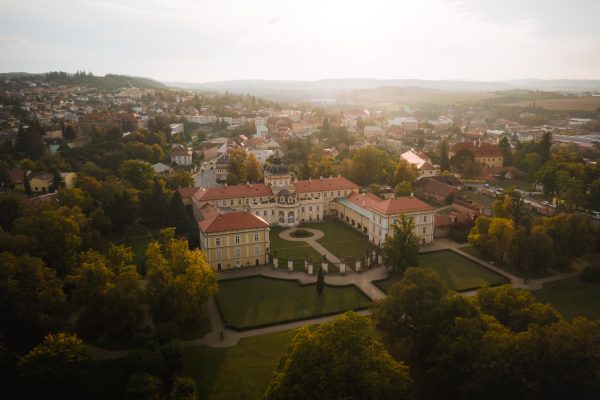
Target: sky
215,40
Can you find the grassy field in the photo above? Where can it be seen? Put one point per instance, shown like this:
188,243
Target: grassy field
476,253
258,301
589,103
478,198
342,240
240,372
457,272
298,251
572,297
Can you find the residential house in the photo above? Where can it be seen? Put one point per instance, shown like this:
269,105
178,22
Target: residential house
40,182
181,155
422,163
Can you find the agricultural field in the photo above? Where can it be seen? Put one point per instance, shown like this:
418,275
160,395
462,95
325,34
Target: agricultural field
589,103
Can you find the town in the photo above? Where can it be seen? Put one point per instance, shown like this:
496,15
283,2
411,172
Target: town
140,220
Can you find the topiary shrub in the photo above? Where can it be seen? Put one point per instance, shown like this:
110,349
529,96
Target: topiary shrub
300,233
590,274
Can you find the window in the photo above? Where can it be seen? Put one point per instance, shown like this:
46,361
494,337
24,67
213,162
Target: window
219,254
239,202
265,213
237,239
331,194
338,193
317,208
256,251
231,203
217,241
256,237
302,209
424,218
272,212
257,213
238,263
309,208
238,252
424,230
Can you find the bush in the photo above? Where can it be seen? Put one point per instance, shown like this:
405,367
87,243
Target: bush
590,274
300,233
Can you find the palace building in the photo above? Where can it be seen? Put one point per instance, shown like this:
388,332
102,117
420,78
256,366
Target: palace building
234,220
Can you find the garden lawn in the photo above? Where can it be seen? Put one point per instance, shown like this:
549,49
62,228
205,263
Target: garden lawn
342,240
256,301
458,272
242,371
298,251
572,297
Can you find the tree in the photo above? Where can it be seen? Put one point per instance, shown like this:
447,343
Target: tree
154,204
375,189
69,133
344,351
55,368
29,141
237,157
180,282
251,169
138,173
464,162
184,388
492,236
403,189
443,151
143,386
371,165
571,190
320,281
405,171
180,179
57,234
178,217
400,250
32,301
506,150
514,308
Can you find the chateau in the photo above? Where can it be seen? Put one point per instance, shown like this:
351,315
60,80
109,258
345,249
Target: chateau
250,208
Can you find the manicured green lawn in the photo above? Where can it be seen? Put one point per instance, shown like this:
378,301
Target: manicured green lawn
240,372
258,301
572,297
298,251
342,240
521,274
457,272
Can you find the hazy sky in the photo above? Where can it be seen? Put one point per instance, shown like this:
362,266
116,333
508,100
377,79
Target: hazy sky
209,40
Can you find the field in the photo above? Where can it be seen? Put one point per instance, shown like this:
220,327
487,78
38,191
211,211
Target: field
589,103
411,96
572,297
242,371
342,240
298,251
256,301
457,272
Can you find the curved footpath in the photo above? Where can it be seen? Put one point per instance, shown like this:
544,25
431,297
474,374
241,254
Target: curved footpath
363,280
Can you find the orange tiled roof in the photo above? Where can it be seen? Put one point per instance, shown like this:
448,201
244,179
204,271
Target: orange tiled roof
235,191
478,149
188,192
231,222
319,185
402,205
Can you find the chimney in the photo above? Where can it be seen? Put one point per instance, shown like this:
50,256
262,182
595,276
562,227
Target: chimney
363,204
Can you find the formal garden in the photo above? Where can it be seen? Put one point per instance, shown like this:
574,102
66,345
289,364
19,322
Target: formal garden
298,251
457,272
342,240
259,301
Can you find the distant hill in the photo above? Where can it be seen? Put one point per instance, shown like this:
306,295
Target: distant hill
332,88
107,82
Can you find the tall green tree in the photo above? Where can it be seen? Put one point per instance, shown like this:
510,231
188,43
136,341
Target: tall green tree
443,152
55,368
400,250
339,359
506,150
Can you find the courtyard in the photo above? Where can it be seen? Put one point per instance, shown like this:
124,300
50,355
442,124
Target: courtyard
457,272
258,301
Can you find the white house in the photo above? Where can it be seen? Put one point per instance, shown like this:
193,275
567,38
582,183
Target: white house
181,155
422,163
261,130
176,128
